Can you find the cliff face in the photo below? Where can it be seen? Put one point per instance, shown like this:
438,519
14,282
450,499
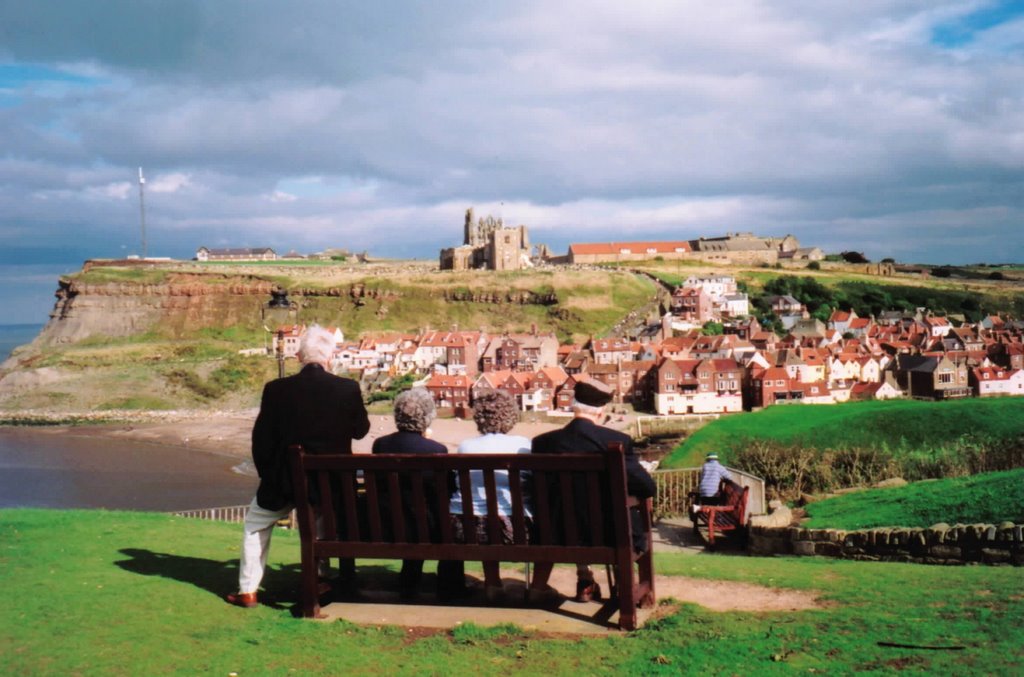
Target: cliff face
186,303
178,307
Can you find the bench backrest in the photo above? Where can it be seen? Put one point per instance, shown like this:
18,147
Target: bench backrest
389,505
735,496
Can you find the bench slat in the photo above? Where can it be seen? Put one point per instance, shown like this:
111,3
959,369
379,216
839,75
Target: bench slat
594,503
419,508
372,504
397,514
542,513
349,502
443,506
565,485
466,490
493,521
420,462
515,486
467,552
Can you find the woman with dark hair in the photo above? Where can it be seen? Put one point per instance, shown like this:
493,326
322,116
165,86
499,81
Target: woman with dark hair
495,413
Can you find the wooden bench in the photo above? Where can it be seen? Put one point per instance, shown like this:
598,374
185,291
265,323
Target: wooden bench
731,514
356,525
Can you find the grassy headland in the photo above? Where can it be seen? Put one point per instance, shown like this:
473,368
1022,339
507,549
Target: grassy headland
988,498
901,426
803,448
94,592
167,335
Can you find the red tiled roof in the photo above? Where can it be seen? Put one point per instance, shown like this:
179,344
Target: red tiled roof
582,249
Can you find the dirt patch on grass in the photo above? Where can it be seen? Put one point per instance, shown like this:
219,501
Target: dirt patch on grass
713,595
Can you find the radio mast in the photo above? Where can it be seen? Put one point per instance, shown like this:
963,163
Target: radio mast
142,210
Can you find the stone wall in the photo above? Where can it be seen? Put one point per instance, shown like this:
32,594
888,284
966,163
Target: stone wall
938,544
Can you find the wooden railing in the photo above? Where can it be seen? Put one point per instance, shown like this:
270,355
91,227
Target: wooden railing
675,486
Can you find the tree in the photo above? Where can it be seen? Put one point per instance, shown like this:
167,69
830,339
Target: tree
712,329
855,257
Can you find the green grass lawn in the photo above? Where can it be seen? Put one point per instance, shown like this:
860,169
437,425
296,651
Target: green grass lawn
900,426
94,592
987,498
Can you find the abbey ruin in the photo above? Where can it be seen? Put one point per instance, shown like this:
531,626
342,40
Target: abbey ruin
488,244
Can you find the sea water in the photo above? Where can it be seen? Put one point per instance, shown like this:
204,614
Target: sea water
14,335
50,468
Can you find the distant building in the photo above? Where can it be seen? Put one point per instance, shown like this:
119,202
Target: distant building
744,248
488,244
733,248
238,254
609,252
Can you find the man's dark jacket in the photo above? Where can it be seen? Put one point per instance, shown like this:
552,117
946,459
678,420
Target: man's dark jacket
583,436
318,410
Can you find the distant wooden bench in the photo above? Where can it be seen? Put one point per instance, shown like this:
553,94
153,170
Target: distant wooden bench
351,506
730,515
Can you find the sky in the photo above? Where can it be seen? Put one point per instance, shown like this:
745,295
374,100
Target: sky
894,128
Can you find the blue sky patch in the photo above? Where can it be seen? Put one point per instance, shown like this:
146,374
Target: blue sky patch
964,29
16,75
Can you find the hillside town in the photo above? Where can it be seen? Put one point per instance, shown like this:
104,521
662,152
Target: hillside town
707,355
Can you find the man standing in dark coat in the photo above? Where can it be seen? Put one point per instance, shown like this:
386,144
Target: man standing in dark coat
586,434
314,408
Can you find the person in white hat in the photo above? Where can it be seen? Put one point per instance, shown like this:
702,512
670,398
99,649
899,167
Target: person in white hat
711,475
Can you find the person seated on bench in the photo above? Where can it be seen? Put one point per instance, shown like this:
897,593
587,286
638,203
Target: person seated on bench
586,434
495,413
414,411
711,475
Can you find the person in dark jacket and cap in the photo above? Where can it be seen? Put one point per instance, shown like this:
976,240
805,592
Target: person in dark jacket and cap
583,434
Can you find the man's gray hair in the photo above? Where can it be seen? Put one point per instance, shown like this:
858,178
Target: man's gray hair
587,409
414,410
316,346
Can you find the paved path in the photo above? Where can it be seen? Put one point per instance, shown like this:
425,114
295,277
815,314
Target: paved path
382,607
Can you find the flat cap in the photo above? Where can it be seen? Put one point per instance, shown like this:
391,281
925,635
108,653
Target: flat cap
593,393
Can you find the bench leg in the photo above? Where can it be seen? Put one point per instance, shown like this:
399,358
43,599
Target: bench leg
309,599
626,589
645,567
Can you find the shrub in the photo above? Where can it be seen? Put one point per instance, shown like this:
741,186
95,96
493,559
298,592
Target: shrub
813,265
189,380
794,469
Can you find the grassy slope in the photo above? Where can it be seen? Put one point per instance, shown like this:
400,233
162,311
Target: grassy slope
171,367
895,424
131,593
988,498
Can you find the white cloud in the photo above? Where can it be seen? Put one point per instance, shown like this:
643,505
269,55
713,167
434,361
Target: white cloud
355,125
168,183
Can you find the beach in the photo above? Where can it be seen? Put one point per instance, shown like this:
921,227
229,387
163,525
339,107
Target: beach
229,433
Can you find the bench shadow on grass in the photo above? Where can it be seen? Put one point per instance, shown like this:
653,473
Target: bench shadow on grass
280,584
376,583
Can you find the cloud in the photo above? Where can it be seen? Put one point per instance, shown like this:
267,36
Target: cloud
851,125
168,183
